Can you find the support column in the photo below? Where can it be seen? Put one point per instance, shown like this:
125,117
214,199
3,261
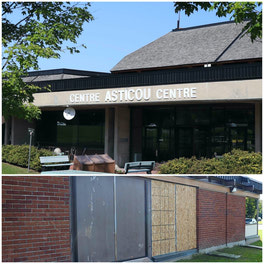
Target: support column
109,131
258,127
122,135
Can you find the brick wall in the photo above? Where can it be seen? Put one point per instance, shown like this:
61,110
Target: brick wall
35,218
211,219
236,211
220,218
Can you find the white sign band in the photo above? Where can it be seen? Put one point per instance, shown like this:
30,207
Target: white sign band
135,95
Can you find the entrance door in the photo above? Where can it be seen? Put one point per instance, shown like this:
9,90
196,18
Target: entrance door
237,138
109,218
185,142
150,149
158,143
201,142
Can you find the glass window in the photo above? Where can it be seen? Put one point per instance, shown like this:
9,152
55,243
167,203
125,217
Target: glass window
200,130
85,130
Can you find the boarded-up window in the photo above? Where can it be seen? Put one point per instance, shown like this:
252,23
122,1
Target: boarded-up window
185,217
173,217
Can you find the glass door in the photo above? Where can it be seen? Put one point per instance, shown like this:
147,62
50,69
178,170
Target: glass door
185,142
237,138
158,144
201,142
150,147
166,144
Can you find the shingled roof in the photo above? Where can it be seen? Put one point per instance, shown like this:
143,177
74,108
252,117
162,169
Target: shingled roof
212,43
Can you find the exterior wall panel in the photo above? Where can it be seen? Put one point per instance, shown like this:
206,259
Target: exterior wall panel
236,212
185,217
173,218
130,218
163,218
95,218
35,219
211,219
221,219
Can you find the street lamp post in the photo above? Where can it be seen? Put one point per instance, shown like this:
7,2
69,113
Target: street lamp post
31,132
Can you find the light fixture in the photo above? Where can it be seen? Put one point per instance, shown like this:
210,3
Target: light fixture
233,189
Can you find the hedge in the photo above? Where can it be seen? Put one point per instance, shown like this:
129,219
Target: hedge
18,155
234,162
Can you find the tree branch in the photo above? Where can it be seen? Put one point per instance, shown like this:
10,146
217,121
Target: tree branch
8,8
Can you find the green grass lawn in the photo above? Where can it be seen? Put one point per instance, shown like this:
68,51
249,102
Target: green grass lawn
12,169
247,255
258,243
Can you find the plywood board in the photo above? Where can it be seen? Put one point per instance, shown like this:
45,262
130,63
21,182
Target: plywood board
185,217
163,217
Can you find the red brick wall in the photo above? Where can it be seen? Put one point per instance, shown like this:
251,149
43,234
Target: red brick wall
220,218
211,219
35,218
236,211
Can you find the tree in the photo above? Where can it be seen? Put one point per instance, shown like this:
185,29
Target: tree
260,209
251,207
33,30
240,12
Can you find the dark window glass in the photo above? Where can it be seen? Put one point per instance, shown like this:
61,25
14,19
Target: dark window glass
85,130
195,130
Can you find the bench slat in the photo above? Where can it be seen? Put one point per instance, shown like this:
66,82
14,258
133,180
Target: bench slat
57,165
54,159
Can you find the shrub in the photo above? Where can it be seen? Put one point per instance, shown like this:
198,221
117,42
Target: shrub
18,155
234,162
243,162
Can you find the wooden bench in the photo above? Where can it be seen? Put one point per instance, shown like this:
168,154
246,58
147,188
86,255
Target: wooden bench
139,166
55,162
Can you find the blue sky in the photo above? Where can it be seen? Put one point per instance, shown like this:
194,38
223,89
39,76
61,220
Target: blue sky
120,28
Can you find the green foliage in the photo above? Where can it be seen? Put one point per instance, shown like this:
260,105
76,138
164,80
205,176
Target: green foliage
239,11
234,162
18,155
240,162
38,32
260,208
251,207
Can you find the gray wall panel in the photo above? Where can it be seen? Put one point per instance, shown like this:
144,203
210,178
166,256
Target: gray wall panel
95,218
130,218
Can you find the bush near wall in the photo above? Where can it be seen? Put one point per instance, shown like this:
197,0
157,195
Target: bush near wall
234,162
18,155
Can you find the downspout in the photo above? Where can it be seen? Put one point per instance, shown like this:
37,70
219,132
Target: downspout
226,218
257,215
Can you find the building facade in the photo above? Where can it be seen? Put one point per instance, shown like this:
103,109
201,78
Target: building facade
115,218
195,91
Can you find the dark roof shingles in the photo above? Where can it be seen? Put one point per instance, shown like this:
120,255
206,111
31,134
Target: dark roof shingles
203,44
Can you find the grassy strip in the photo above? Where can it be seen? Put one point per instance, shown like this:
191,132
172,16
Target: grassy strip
258,243
12,169
247,255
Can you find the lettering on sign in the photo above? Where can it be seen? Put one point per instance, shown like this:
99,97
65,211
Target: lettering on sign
134,95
